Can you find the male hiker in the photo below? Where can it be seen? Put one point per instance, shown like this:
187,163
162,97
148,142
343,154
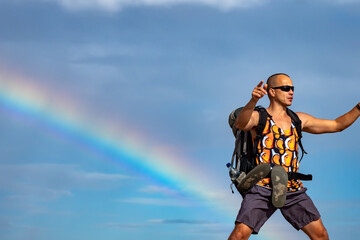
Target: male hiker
279,146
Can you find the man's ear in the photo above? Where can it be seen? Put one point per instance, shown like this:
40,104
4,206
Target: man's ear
271,92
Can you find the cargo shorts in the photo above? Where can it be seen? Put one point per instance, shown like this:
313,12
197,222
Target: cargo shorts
256,208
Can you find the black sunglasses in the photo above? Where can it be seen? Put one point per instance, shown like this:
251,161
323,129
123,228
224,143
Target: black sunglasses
285,88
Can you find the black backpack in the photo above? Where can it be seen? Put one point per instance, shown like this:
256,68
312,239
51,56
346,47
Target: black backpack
245,151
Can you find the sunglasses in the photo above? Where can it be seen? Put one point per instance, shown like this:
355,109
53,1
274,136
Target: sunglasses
285,88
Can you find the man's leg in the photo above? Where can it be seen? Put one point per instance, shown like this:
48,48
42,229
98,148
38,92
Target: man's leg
240,232
316,230
256,208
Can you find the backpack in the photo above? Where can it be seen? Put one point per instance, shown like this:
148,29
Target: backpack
245,152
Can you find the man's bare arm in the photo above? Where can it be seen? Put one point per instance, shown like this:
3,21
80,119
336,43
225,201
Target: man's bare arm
314,125
248,118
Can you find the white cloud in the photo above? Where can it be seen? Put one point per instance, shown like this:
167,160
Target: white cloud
159,202
115,5
180,221
103,176
345,1
158,189
152,222
48,182
27,231
124,225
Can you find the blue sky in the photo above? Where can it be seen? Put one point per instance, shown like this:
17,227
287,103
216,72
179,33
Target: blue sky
159,78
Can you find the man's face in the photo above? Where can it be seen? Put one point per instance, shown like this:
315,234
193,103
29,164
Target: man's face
283,97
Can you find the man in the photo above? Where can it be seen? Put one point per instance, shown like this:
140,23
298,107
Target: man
298,210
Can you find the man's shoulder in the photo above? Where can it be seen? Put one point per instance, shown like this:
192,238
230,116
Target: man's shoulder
303,116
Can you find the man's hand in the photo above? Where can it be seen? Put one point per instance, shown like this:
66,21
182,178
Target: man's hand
259,91
248,118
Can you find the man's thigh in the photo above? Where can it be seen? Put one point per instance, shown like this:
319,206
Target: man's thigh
256,208
299,210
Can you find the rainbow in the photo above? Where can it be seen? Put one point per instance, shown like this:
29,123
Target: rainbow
60,114
63,115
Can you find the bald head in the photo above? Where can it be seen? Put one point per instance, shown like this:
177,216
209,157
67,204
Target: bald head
273,80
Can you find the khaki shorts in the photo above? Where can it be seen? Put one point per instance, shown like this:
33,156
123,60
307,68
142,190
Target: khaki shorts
256,208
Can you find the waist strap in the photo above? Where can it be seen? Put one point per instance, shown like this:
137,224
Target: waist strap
296,175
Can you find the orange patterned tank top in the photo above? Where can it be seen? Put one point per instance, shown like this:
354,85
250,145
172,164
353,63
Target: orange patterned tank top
281,148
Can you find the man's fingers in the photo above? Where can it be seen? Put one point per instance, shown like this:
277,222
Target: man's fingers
259,85
260,90
265,87
259,93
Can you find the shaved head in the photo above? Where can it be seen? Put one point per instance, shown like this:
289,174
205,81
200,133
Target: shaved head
271,81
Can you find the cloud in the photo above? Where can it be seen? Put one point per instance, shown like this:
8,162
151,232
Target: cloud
124,225
103,176
48,182
5,223
115,5
158,189
180,221
151,222
10,227
345,1
160,202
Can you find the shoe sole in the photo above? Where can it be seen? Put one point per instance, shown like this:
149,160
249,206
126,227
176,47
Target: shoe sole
254,176
279,180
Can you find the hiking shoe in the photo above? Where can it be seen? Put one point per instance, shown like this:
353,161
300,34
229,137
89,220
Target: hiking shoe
279,180
254,176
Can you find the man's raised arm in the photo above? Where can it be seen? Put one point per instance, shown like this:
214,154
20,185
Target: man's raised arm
314,125
248,118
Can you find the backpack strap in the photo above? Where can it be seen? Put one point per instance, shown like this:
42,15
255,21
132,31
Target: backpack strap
237,149
238,134
263,115
297,123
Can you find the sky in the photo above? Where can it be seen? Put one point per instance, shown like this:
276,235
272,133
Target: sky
113,113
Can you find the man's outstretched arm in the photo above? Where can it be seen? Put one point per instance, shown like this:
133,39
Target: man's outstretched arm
248,118
314,125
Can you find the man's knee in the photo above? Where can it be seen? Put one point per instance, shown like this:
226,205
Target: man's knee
323,235
316,230
240,232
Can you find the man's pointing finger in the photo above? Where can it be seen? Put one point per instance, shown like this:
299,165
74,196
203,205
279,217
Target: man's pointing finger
259,85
